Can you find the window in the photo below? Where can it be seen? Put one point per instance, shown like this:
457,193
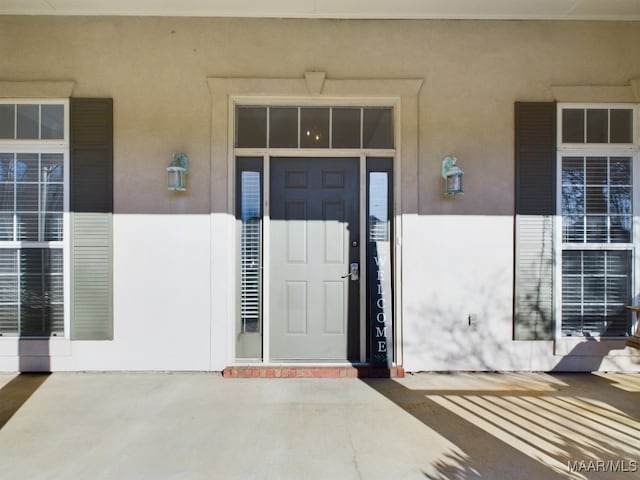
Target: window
249,214
250,211
314,127
33,152
596,154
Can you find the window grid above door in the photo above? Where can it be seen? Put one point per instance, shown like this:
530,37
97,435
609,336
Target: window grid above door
314,127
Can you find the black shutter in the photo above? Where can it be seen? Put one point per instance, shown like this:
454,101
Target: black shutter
535,169
91,189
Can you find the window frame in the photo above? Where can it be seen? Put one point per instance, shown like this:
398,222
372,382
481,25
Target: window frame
40,147
608,150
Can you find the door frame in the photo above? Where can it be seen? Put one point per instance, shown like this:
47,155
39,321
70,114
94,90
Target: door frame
267,155
311,90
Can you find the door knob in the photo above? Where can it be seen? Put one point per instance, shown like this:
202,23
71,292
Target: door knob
354,272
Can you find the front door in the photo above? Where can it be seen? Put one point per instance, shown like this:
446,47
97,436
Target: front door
314,240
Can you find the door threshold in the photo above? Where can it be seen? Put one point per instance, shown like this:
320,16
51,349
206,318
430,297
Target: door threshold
314,371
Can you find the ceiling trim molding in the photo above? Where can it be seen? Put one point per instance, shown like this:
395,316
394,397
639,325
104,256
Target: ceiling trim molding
607,10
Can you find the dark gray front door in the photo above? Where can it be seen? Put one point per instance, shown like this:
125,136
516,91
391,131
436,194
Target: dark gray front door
314,237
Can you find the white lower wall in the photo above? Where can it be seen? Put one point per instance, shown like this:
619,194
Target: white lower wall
162,307
460,265
173,302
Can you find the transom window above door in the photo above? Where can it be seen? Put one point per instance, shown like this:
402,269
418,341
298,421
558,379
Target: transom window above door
314,127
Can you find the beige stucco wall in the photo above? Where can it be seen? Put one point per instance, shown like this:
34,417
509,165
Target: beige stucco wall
156,71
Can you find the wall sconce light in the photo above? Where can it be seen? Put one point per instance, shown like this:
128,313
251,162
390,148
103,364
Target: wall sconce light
452,175
176,172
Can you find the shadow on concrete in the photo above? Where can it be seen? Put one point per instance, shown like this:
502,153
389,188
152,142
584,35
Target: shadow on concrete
15,393
618,391
517,433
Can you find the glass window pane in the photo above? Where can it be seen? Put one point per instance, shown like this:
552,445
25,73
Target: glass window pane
620,200
52,168
26,168
32,295
621,229
27,227
593,262
573,170
28,121
8,288
53,261
572,199
52,122
53,231
283,127
617,290
571,320
249,213
594,288
573,125
6,167
7,197
620,171
618,322
621,125
571,262
52,193
6,226
618,262
251,127
379,221
345,131
27,197
597,125
597,168
7,121
9,318
596,229
593,319
31,319
51,197
573,229
314,127
8,261
377,131
55,319
596,200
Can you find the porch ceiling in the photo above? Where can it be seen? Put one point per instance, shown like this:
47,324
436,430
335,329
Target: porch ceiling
400,9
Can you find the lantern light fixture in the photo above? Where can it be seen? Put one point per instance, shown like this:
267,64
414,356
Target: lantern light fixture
452,175
176,173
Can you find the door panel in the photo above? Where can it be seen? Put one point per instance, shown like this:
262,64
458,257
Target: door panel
314,225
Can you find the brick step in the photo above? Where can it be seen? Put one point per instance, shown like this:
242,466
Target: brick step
312,372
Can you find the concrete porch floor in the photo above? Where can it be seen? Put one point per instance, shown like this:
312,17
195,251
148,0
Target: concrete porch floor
434,426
